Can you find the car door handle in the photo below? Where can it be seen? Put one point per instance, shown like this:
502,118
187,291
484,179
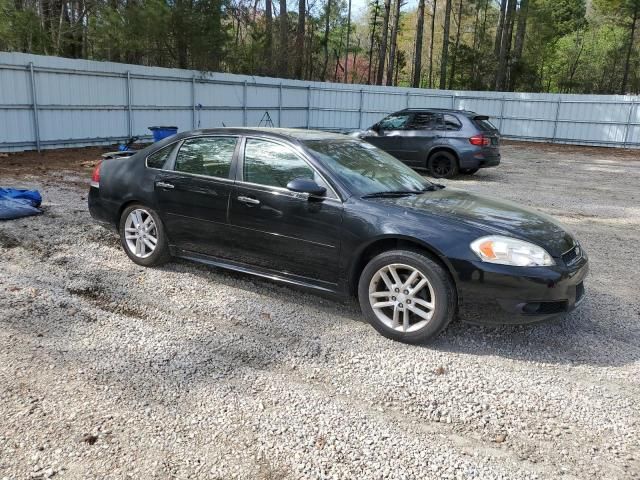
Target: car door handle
164,185
249,200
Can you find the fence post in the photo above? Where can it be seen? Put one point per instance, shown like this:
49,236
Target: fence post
453,101
360,109
34,97
555,122
129,112
244,104
193,102
308,106
628,129
501,114
408,99
280,105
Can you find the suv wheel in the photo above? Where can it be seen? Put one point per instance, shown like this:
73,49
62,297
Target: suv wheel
406,296
443,165
143,237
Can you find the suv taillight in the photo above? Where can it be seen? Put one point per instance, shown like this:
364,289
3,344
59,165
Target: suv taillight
95,176
480,141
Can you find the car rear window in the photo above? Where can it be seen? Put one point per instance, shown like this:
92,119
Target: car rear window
484,125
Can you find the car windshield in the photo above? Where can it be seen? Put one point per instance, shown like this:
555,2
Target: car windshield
365,169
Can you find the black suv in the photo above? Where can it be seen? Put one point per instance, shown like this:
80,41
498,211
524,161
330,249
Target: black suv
444,142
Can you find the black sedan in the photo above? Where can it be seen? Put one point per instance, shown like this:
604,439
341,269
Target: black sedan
337,215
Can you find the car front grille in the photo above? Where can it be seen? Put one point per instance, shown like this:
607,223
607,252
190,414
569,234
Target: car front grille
571,256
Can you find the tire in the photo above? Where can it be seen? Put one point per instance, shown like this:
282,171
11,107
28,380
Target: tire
439,291
154,229
468,171
443,165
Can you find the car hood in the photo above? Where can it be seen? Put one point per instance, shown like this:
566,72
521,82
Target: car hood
494,216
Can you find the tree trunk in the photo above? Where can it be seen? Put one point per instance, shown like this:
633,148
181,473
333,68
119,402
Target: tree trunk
625,77
417,60
520,33
499,30
452,73
268,42
505,46
284,30
383,42
373,34
445,46
325,41
346,55
433,31
394,43
302,13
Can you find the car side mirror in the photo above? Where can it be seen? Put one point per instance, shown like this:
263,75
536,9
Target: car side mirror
306,185
376,128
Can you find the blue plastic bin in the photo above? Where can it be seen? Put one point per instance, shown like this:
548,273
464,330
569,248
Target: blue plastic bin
162,132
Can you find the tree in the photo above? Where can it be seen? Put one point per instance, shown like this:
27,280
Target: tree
417,58
284,34
433,31
299,54
268,42
383,42
394,42
445,46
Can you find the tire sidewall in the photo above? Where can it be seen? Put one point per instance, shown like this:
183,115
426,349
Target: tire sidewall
161,253
441,283
452,159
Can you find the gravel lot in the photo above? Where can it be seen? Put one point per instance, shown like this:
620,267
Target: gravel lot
110,370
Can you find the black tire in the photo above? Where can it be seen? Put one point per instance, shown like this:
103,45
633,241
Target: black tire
442,286
443,165
469,171
161,252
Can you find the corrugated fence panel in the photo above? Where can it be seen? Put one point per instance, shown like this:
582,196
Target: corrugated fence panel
81,102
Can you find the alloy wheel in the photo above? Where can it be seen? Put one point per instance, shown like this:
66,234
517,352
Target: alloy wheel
442,166
141,233
402,297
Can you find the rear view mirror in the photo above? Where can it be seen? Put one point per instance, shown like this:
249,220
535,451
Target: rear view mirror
306,185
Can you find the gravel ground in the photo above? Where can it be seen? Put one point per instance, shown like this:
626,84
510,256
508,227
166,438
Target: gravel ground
110,370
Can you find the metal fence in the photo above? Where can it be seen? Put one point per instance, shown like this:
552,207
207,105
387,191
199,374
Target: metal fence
51,102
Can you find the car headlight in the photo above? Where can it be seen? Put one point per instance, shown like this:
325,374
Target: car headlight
510,251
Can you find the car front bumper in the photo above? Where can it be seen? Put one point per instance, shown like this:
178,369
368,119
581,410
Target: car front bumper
500,294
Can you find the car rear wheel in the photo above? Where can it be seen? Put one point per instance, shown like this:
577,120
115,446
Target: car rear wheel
443,165
406,296
469,171
143,237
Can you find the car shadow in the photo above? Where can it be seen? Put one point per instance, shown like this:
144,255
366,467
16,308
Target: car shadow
596,333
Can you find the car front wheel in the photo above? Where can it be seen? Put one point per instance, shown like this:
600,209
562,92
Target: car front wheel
406,296
143,237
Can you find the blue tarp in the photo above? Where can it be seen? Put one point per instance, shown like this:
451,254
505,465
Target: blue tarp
15,203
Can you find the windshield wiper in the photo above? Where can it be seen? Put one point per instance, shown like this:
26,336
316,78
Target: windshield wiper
401,193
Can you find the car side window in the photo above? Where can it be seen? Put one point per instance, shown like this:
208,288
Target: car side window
210,156
275,165
159,159
424,121
451,122
395,122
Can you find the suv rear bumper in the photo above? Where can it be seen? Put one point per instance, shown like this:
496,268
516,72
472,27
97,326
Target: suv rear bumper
480,159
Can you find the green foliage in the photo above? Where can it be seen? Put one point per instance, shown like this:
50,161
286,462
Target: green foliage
567,48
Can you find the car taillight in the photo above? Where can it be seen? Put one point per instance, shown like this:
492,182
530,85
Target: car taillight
480,141
95,176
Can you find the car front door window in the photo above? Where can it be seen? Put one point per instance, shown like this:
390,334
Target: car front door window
394,122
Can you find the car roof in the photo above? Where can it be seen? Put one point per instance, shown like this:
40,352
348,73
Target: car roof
468,113
299,134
